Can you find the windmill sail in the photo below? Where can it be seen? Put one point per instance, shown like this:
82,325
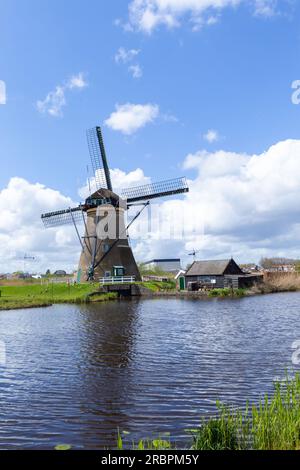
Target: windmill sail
98,158
155,190
64,217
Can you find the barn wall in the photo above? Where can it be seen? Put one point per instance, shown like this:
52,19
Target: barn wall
219,280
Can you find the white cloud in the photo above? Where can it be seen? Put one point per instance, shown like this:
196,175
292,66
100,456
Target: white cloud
22,231
136,71
2,92
53,103
243,205
265,7
126,55
128,118
77,81
55,100
211,136
147,15
247,206
120,180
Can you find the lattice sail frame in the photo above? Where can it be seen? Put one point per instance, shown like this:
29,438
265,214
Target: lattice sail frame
64,217
98,158
155,190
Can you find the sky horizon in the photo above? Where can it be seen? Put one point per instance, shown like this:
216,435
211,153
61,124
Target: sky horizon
206,89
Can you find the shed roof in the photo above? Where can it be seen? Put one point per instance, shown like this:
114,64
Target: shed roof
208,268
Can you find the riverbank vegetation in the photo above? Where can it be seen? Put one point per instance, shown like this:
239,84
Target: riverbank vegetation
36,295
227,292
278,282
272,424
159,286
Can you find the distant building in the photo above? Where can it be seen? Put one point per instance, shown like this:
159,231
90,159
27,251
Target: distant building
60,272
251,268
281,268
219,274
167,265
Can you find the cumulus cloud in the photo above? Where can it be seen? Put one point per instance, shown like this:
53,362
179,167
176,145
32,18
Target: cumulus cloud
211,136
243,205
265,7
55,100
120,180
125,56
136,71
21,229
239,204
76,81
128,118
146,15
2,92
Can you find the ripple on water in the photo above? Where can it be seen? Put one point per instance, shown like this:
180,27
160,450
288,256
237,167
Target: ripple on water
75,374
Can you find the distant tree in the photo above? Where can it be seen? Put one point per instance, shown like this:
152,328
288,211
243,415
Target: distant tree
268,263
48,272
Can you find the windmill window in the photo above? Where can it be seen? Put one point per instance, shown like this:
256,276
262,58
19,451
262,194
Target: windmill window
105,248
119,271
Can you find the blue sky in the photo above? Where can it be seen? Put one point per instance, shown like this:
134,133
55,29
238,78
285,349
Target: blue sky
232,74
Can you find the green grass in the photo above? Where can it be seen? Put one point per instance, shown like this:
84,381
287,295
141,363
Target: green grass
37,294
144,444
158,286
227,292
6,304
272,424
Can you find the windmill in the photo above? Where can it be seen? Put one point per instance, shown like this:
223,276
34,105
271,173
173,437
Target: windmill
103,255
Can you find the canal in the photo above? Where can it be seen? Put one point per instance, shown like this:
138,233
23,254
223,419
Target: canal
74,374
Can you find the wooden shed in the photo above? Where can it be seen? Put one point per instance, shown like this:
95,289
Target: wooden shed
219,274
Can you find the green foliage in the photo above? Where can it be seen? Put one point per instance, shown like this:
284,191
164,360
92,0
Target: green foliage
145,444
226,292
273,424
41,294
158,286
63,447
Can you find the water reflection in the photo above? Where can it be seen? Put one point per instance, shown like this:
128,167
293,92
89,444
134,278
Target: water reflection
74,374
107,349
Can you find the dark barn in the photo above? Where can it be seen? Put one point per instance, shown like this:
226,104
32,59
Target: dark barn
219,274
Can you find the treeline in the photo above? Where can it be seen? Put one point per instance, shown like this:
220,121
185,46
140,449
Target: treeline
268,263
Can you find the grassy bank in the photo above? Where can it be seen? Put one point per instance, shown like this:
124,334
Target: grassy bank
272,424
227,292
33,295
158,286
6,304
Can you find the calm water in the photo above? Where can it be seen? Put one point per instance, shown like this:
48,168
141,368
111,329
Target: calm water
75,374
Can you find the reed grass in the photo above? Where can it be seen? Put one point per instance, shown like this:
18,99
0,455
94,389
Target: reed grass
226,292
278,282
272,424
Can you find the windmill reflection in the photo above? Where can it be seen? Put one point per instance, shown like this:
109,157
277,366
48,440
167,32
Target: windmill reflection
107,344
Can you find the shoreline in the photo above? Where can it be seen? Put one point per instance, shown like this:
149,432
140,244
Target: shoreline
8,303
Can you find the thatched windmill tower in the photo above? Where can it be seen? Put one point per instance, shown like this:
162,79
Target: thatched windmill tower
105,247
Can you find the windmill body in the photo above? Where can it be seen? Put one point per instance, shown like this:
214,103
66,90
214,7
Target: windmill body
106,247
106,251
